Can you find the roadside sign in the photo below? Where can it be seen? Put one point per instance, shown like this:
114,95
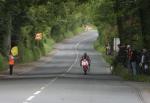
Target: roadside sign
14,51
38,36
116,43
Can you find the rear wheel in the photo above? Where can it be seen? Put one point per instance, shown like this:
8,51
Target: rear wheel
85,69
85,72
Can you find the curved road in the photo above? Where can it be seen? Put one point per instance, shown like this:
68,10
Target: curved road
59,79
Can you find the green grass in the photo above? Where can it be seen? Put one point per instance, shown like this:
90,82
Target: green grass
101,49
3,63
27,55
78,30
141,78
123,72
69,34
48,46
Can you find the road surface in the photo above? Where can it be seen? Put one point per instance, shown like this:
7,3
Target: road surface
58,78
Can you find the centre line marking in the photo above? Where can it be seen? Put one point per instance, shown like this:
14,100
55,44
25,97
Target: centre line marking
37,92
53,80
77,54
30,98
42,88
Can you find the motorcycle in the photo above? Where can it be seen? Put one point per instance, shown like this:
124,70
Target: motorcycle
85,66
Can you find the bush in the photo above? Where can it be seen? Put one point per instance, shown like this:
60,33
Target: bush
57,32
48,45
68,34
3,63
99,47
36,54
118,69
28,55
123,72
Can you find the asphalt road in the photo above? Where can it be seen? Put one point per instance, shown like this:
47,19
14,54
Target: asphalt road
59,79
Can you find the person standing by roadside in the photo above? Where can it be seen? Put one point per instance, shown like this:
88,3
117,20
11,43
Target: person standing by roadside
11,63
122,54
108,49
129,56
134,62
139,71
144,61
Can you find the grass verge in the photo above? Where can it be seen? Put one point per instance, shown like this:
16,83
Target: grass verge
3,63
119,69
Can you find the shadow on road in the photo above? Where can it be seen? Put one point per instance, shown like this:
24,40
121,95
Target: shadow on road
103,77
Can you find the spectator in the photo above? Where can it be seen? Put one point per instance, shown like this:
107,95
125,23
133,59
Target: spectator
133,60
108,49
139,71
129,56
122,54
11,63
144,61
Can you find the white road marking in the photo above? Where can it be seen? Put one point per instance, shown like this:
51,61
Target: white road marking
77,55
62,75
42,88
53,80
37,92
30,98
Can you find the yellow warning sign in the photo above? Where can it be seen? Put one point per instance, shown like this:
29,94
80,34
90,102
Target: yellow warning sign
14,51
38,36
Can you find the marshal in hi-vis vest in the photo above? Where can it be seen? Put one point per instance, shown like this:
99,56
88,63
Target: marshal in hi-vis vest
11,60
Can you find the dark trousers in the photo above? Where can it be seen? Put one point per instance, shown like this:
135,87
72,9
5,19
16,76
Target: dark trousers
11,69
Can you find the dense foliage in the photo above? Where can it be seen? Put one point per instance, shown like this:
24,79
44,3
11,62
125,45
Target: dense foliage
20,20
126,19
130,21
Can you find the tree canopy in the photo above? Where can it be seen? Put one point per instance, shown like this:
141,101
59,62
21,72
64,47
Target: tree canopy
20,20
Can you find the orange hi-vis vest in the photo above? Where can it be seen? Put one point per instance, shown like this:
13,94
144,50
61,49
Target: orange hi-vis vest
11,60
